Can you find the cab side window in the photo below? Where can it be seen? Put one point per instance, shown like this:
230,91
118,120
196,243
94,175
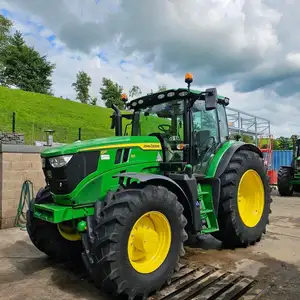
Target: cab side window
223,125
205,135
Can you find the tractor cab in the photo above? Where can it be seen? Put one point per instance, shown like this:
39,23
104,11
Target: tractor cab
189,124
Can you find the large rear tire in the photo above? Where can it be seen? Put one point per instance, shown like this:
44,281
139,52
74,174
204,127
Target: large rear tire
283,178
244,201
129,252
48,237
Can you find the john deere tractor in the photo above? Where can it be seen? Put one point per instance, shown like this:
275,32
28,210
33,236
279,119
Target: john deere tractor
288,179
127,204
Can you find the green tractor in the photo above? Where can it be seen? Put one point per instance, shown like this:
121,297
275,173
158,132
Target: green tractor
127,204
288,179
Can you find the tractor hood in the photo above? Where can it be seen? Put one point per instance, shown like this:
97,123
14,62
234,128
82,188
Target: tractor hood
144,142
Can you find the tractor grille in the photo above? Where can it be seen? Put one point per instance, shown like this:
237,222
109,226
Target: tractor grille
65,179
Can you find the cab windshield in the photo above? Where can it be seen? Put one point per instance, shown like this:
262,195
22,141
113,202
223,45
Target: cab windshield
165,120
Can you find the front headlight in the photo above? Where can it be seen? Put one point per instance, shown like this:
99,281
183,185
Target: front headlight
59,161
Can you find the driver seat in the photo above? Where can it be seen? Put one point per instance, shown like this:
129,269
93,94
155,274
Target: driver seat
202,141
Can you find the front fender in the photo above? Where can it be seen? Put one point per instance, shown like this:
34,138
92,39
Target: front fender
170,184
145,177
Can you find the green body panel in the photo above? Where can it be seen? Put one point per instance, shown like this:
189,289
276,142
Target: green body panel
54,213
96,185
296,176
296,179
209,218
101,143
215,161
207,212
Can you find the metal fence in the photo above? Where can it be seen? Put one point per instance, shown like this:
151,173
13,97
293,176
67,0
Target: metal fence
36,130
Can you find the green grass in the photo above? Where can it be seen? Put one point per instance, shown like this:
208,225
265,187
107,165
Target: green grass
36,113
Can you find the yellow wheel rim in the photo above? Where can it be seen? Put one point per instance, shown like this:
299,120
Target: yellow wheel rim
68,233
251,198
149,242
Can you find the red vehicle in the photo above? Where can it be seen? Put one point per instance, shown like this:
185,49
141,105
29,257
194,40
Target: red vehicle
266,149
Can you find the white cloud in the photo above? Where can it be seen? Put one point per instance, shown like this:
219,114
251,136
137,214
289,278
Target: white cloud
240,46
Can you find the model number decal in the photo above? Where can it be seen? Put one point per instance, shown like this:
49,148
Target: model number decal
105,157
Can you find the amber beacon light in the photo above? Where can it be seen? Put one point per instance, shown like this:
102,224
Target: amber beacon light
188,78
124,97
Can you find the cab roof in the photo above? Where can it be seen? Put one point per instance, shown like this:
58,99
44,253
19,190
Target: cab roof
169,95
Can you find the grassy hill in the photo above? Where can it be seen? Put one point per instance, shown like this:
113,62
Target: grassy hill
36,113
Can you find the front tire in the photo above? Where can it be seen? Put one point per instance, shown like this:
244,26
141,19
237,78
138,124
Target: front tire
111,254
283,178
48,237
244,201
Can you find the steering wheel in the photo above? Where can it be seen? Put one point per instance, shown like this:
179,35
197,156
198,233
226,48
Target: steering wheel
161,127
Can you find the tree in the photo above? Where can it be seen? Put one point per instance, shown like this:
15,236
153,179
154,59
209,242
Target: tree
24,68
284,143
247,138
111,93
5,26
162,88
82,85
93,101
242,137
135,91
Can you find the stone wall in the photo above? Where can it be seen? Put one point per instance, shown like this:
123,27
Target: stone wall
17,164
12,138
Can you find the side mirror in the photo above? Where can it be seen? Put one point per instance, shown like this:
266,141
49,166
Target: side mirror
210,99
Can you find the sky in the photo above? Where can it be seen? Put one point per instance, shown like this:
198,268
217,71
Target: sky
249,50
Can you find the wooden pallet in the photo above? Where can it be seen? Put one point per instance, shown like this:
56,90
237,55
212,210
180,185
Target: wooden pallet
209,283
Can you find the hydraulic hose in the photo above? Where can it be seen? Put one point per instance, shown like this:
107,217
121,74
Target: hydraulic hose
25,199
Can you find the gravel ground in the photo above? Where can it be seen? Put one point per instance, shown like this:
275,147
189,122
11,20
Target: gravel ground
25,273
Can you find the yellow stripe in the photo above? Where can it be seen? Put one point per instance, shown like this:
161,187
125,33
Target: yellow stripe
143,146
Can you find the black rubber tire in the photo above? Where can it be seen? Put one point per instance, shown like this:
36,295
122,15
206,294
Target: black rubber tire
105,241
232,231
46,237
283,178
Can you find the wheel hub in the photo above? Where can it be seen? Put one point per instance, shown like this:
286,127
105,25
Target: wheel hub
145,240
68,233
149,242
251,198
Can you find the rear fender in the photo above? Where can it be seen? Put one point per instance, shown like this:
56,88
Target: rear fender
172,186
230,152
